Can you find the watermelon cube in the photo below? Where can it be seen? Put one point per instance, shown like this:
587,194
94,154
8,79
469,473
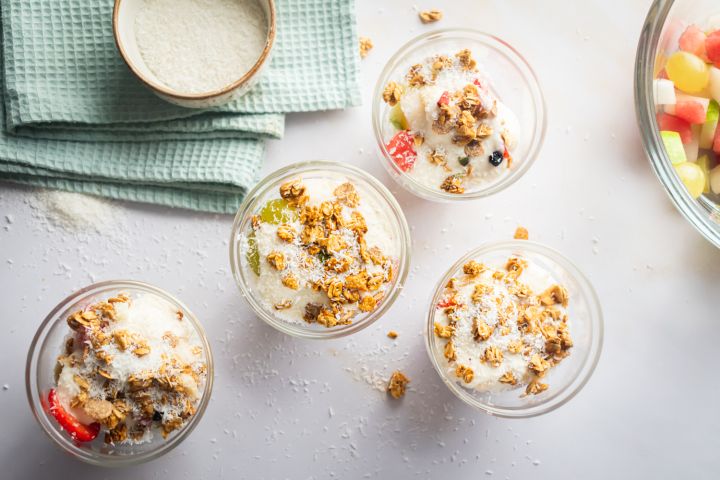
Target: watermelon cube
712,47
674,124
689,108
693,40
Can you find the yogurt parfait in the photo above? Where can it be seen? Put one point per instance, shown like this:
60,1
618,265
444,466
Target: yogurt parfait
458,114
320,248
132,372
512,330
453,133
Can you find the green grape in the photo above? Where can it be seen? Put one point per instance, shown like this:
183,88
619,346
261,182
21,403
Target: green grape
253,254
397,118
278,211
692,176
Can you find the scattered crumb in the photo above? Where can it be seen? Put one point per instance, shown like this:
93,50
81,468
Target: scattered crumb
365,46
396,385
430,16
521,233
392,334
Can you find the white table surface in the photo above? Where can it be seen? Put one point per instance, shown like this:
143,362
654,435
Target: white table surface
287,408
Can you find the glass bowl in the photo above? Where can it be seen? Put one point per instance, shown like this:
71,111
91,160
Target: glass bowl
367,186
665,21
39,377
512,80
586,327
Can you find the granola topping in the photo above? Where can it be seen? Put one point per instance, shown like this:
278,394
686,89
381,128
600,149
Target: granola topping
502,325
130,365
397,384
327,245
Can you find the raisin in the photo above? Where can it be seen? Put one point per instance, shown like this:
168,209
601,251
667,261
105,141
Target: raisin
496,158
157,416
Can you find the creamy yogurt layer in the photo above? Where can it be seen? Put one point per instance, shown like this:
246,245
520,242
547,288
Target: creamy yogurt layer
502,326
320,251
452,133
131,367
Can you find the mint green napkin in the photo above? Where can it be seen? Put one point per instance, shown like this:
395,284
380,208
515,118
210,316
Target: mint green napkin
75,118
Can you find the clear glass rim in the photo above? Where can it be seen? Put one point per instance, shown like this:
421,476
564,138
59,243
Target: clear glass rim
590,361
35,397
250,204
495,42
697,213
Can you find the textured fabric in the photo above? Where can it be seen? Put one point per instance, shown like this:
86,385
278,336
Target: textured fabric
62,65
74,117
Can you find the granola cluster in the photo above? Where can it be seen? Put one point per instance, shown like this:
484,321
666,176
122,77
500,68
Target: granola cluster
127,407
325,250
487,315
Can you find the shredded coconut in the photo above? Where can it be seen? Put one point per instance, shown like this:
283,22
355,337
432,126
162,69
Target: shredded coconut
197,46
75,212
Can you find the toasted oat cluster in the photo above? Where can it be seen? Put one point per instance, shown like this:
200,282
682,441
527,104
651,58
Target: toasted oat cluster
430,16
397,384
495,330
366,45
318,252
130,384
468,132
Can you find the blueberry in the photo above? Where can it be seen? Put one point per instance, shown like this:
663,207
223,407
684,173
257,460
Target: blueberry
496,158
157,416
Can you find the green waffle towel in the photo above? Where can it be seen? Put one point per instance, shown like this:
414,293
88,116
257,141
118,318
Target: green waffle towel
75,118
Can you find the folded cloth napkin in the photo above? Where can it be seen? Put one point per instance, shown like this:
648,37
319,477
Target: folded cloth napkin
75,118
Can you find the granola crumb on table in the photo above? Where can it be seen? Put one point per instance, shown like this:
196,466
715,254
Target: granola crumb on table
392,334
521,233
397,384
366,45
430,16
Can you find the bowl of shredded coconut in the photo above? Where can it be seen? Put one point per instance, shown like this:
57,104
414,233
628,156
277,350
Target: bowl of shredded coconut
195,53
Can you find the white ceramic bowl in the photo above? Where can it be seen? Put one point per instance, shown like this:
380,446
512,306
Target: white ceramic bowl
124,15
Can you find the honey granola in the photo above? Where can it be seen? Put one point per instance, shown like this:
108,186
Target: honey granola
314,252
117,377
495,332
397,384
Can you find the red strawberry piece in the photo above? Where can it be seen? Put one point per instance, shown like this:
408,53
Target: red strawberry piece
78,431
402,150
444,99
447,303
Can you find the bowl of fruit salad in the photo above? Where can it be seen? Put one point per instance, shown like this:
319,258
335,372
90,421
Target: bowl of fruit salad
119,373
320,249
677,95
458,114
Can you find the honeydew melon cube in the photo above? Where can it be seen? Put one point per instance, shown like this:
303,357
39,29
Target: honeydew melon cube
715,180
705,162
707,134
664,90
692,148
673,147
692,176
714,83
